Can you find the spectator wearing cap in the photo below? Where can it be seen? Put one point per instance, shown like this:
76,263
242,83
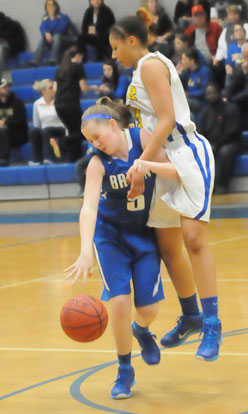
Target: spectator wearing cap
13,122
203,33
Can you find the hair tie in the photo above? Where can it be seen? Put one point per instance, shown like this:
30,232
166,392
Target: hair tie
96,116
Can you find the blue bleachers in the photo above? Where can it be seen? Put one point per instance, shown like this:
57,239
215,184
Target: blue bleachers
85,103
241,166
66,173
245,139
37,175
23,80
21,154
29,111
26,93
28,76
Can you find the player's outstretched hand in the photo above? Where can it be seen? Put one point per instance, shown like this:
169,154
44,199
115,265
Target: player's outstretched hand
83,265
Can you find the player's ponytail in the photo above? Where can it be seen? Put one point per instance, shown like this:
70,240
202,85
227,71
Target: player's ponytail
105,109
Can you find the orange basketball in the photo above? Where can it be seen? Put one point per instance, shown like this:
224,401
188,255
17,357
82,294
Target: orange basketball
84,318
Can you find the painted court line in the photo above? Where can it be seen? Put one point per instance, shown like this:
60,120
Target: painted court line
228,240
110,351
59,277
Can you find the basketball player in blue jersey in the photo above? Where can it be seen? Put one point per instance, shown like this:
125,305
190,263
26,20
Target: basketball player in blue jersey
124,247
182,209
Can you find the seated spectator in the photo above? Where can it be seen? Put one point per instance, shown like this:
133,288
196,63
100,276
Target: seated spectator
198,77
182,14
242,5
46,124
159,43
164,26
206,7
57,34
97,20
227,35
114,82
234,51
219,122
203,33
237,90
181,42
12,39
13,122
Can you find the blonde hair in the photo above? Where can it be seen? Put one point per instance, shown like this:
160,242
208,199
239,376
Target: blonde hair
42,84
233,9
112,110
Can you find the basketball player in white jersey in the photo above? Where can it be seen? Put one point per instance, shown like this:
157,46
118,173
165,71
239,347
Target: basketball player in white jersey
160,105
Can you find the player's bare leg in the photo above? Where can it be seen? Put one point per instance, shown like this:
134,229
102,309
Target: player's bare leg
176,260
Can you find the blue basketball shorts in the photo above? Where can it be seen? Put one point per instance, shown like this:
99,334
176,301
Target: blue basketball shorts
124,256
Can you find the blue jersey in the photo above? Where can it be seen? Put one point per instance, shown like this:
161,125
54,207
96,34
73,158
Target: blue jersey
125,248
114,207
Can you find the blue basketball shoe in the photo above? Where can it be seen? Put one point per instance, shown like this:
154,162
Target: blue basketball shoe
150,351
211,341
186,326
125,380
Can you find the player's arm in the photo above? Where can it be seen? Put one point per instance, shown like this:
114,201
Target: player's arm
161,165
87,221
156,78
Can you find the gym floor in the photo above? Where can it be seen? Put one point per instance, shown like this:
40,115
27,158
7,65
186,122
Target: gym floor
44,371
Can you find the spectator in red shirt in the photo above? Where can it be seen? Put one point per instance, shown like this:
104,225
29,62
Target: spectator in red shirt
203,33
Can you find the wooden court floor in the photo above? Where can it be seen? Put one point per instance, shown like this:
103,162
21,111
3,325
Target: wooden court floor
43,371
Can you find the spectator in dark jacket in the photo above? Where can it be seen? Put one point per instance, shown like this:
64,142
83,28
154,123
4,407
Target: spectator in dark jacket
70,82
13,122
97,20
57,34
219,121
237,89
164,27
12,38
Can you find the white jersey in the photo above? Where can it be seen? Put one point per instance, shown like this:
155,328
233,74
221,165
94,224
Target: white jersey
189,151
138,98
